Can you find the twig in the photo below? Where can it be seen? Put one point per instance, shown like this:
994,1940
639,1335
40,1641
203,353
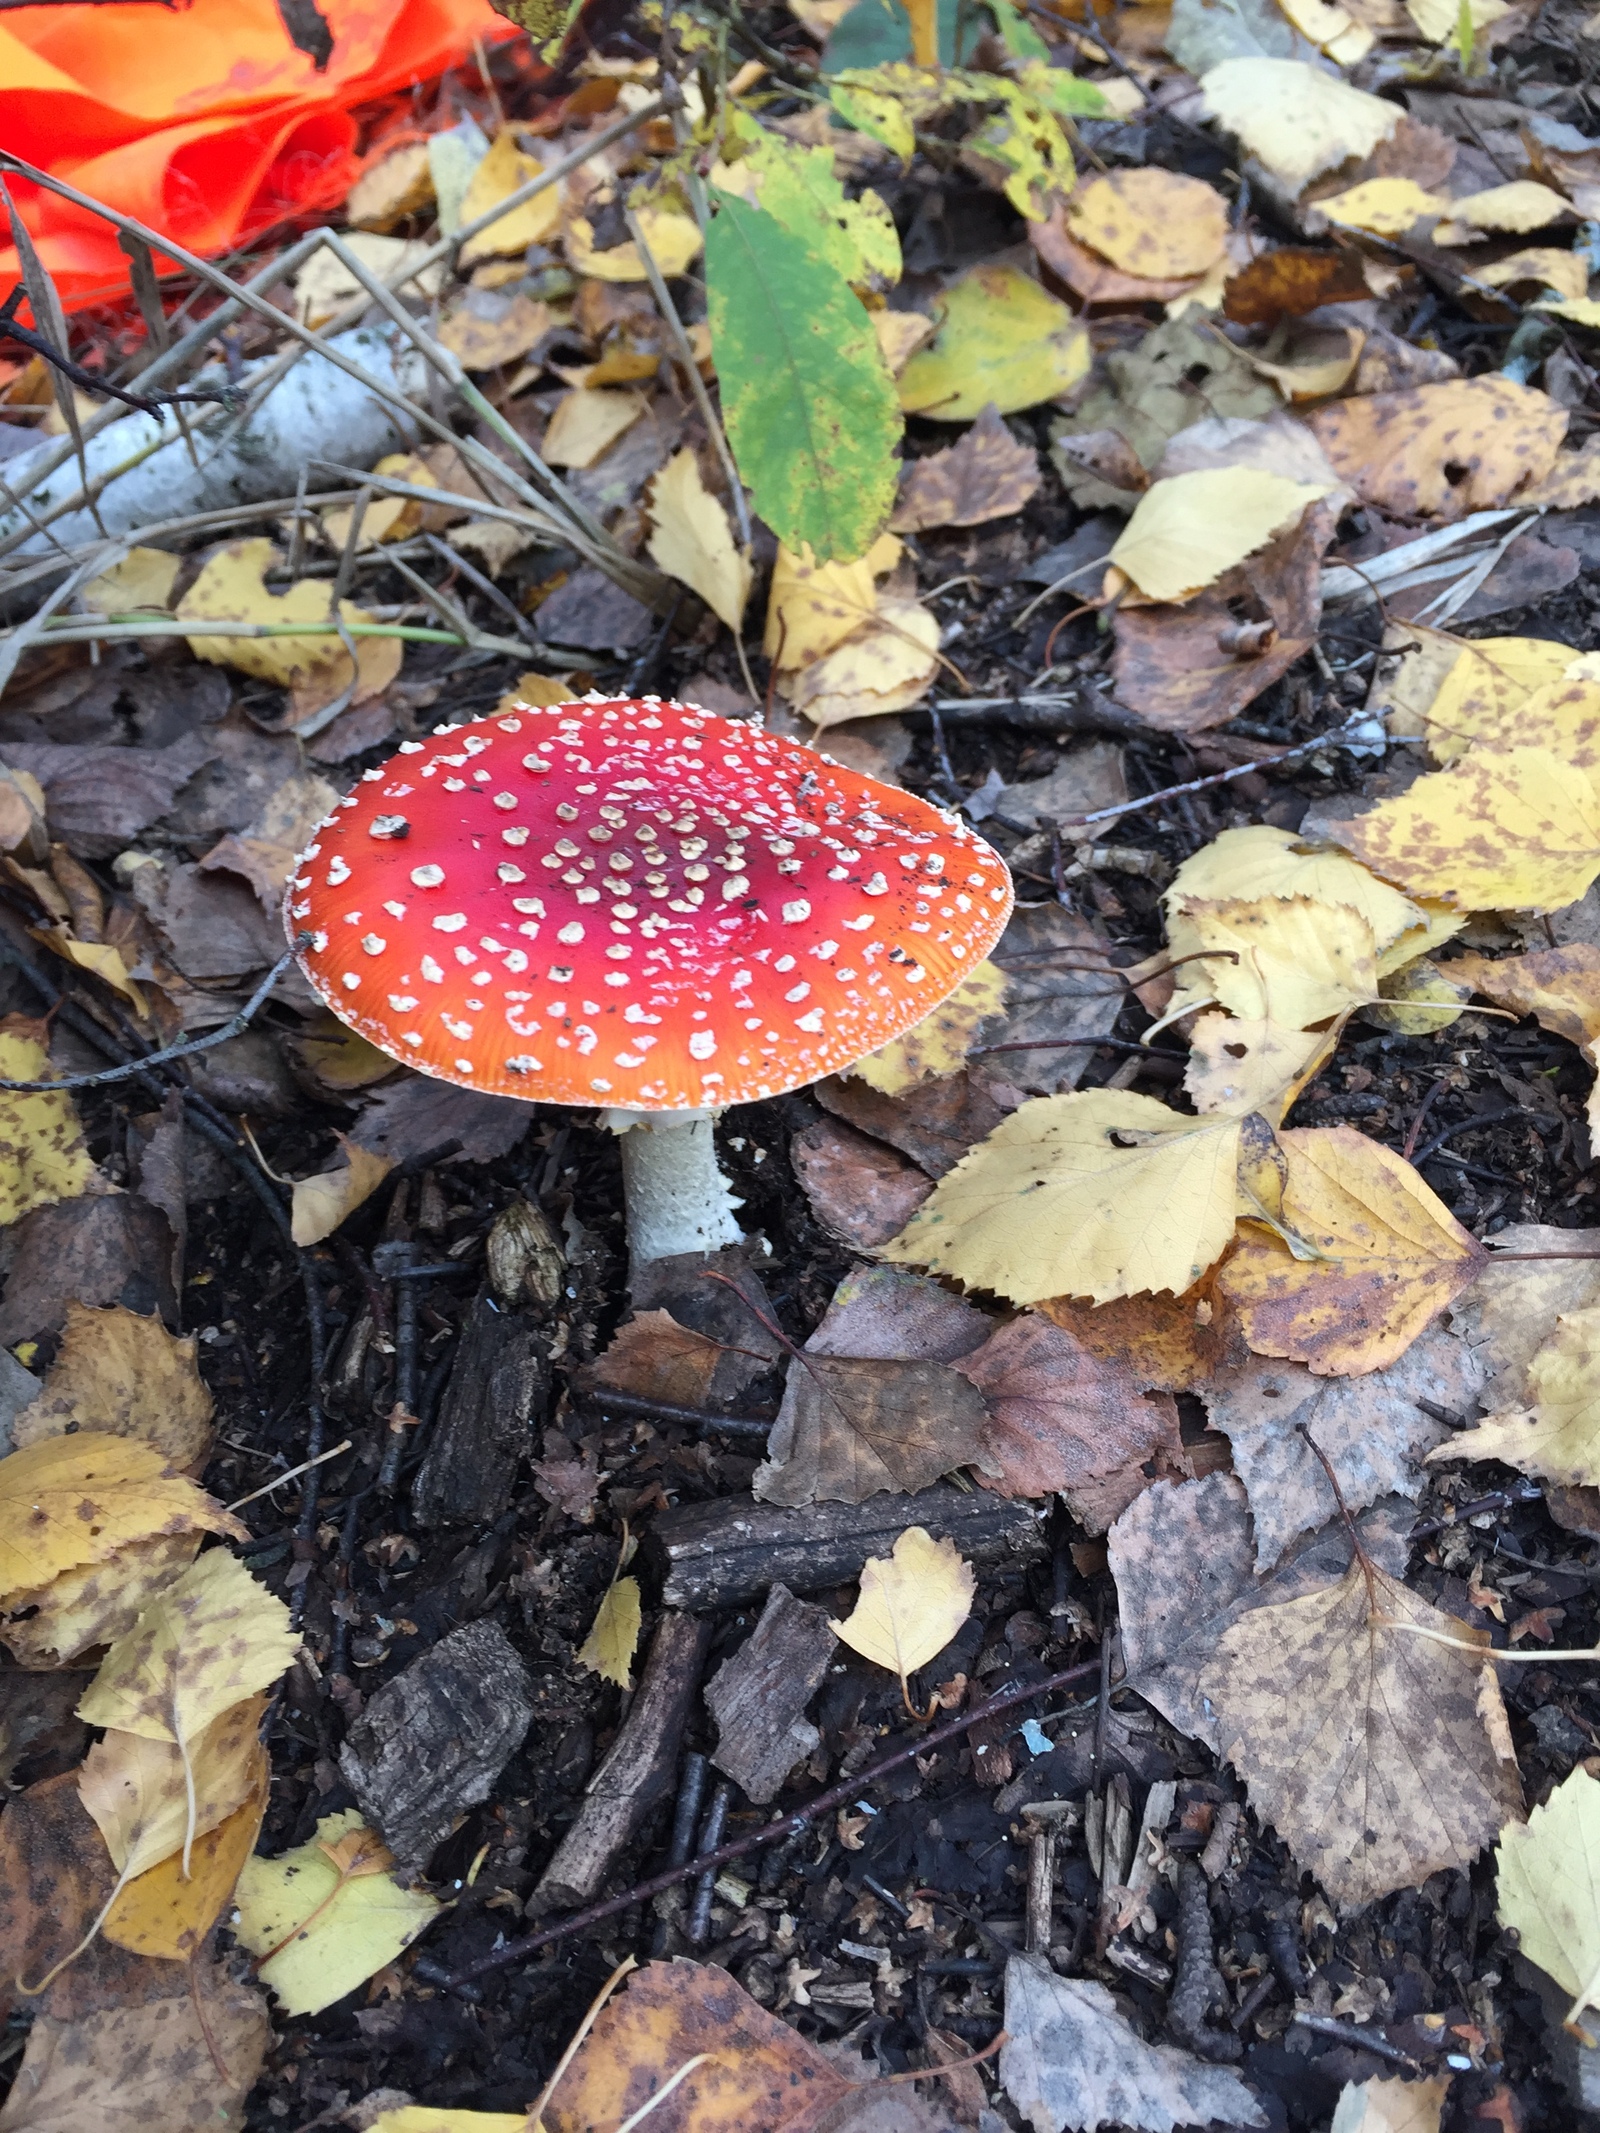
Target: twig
1344,736
1358,2039
91,382
774,1832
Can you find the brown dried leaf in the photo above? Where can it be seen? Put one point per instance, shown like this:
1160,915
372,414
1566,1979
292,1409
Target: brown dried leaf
1560,987
126,1375
265,853
850,1426
653,1354
1171,1343
934,1124
1362,1744
986,474
1388,1257
1290,281
1061,1419
55,1877
1510,1311
859,1190
1440,451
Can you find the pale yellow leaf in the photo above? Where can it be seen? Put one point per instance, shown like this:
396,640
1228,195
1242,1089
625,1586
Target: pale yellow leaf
1560,1438
66,1501
318,1205
900,334
1187,530
587,424
1296,118
939,1043
1261,861
488,328
167,1911
328,1915
1236,1067
1542,266
42,1156
1548,1876
674,239
1519,206
1345,40
391,190
1418,1000
813,606
325,285
138,1790
427,2118
1101,1194
1579,311
1286,960
105,961
885,667
505,170
1518,830
614,1634
127,1375
206,1642
1151,222
1386,206
95,1604
693,542
1461,693
232,588
910,1604
142,580
1001,339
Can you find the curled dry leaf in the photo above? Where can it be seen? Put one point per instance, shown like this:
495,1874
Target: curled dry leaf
323,1918
1001,340
988,474
851,1426
505,170
67,1501
42,1156
693,542
1560,1438
319,1205
1298,119
614,1634
1100,1194
1064,1420
1518,830
210,1639
1519,206
265,852
1548,1875
1090,277
1440,451
910,1604
1150,222
1360,1741
126,1376
1378,1257
1187,530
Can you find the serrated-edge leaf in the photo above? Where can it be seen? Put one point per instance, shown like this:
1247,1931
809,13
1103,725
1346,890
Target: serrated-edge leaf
810,409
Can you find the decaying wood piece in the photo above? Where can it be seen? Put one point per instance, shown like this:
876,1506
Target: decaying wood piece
432,1741
758,1698
638,1772
720,1554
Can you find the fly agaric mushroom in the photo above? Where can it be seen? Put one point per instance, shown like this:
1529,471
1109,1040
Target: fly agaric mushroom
635,904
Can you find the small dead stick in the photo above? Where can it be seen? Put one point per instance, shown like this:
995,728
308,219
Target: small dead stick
1340,738
776,1832
87,379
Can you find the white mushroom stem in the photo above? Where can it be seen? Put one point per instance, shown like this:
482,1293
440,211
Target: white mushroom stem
678,1200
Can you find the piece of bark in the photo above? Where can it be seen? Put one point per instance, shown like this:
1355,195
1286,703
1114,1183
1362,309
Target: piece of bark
493,1408
639,1771
721,1554
758,1698
432,1741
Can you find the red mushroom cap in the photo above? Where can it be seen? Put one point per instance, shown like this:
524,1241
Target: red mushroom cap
637,904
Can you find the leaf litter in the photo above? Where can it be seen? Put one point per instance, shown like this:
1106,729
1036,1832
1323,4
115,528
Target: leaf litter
1220,1137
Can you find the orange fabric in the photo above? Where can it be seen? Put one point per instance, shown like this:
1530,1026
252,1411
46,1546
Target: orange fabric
205,123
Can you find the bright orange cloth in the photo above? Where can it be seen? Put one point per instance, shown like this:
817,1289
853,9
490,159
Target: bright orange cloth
204,123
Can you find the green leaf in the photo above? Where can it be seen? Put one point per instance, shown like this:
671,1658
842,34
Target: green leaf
1001,338
1067,94
856,237
1017,33
876,32
806,396
1025,146
880,117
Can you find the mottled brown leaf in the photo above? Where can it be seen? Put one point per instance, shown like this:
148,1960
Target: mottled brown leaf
1290,281
986,474
125,1374
1174,1343
1362,1743
858,1189
1092,279
653,1355
1440,451
1061,1419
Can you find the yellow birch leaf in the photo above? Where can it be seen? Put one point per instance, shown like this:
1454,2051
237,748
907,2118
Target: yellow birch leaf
72,1500
232,588
1541,266
487,328
900,334
505,170
1485,681
1001,339
674,239
128,1376
1282,959
614,1634
138,1790
1102,1193
693,542
1299,120
886,666
1236,1067
1560,1439
391,190
42,1156
1260,861
939,1043
1386,206
102,960
1563,717
328,1915
142,580
1187,530
1547,1873
910,1603
1443,450
1417,1000
318,1205
427,2118
96,1603
1345,40
1151,222
166,1913
211,1639
587,423
813,606
1512,831
1579,311
1386,1257
1520,206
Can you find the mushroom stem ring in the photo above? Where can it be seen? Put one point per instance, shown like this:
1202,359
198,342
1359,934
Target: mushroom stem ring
632,905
